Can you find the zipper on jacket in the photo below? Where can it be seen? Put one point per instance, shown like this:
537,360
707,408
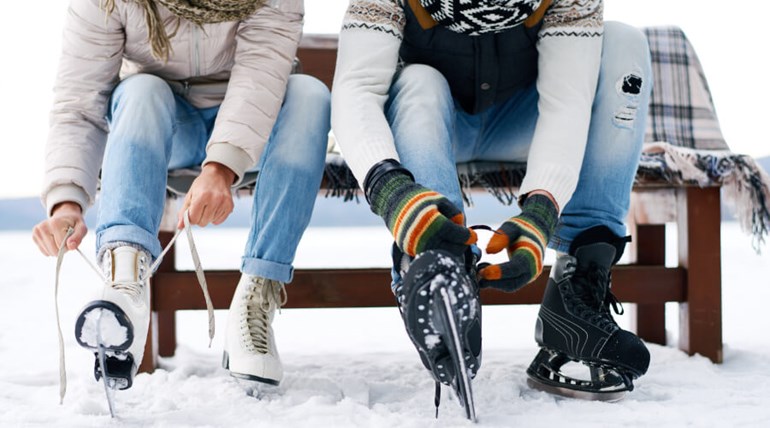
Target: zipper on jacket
196,49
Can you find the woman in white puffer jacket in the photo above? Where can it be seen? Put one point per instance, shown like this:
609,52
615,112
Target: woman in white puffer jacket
145,86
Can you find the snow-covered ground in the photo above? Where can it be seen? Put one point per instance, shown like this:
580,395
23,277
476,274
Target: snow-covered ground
356,367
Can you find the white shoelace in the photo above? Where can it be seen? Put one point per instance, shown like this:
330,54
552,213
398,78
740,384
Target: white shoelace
271,295
198,272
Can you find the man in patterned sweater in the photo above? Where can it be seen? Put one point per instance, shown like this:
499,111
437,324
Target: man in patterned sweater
421,85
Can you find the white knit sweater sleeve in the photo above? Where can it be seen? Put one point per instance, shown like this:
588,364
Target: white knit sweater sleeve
569,47
367,58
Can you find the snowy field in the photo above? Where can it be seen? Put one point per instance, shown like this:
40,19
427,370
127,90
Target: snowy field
356,367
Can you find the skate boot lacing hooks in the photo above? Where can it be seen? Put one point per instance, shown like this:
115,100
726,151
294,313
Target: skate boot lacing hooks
263,296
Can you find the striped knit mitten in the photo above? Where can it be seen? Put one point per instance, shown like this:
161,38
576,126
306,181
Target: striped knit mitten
525,237
418,218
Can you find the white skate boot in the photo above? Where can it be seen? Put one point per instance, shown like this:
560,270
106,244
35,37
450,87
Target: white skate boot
250,351
114,325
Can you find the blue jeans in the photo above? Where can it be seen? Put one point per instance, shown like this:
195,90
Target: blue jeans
432,133
152,130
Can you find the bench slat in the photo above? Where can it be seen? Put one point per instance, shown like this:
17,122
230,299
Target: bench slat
334,288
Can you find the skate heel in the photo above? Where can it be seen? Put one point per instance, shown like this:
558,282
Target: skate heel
118,370
103,323
253,386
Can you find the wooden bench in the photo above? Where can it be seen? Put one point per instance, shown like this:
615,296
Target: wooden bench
695,283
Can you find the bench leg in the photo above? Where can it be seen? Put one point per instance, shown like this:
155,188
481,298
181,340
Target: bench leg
166,320
649,321
150,360
700,323
166,333
161,338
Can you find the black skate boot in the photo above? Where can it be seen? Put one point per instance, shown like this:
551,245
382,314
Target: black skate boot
438,300
575,324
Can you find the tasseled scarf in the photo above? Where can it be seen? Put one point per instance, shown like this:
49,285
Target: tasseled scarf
197,11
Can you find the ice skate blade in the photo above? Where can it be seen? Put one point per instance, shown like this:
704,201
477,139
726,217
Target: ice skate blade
610,397
246,376
606,384
109,387
254,388
101,363
252,378
461,382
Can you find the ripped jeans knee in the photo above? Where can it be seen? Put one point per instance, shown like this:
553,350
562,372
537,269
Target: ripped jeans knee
629,87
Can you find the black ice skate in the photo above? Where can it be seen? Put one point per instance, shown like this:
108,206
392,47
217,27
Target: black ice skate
575,324
438,300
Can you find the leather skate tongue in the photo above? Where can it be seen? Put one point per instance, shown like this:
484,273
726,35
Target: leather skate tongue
124,264
599,254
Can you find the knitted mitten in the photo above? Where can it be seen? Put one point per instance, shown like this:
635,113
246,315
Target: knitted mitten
525,237
419,219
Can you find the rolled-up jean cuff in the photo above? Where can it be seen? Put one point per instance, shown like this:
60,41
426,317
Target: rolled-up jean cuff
132,234
267,269
559,245
562,239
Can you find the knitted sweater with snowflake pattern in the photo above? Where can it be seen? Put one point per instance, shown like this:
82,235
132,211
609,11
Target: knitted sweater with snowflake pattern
569,51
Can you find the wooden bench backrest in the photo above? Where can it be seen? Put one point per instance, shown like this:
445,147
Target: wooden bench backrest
317,54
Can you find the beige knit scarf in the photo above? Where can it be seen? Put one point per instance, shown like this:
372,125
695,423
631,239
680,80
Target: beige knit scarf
198,11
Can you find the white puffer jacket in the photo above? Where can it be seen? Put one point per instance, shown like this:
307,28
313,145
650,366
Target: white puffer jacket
244,66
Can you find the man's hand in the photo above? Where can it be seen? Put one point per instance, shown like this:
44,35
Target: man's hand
49,234
209,198
525,237
419,219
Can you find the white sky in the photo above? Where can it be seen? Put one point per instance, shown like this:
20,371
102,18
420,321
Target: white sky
730,41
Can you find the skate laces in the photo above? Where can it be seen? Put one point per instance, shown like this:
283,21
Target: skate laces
593,297
131,288
262,298
198,269
134,289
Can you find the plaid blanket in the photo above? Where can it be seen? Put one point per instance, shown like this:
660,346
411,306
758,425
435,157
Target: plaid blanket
681,109
744,184
684,143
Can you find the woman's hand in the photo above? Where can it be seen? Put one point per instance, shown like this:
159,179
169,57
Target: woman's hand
49,234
